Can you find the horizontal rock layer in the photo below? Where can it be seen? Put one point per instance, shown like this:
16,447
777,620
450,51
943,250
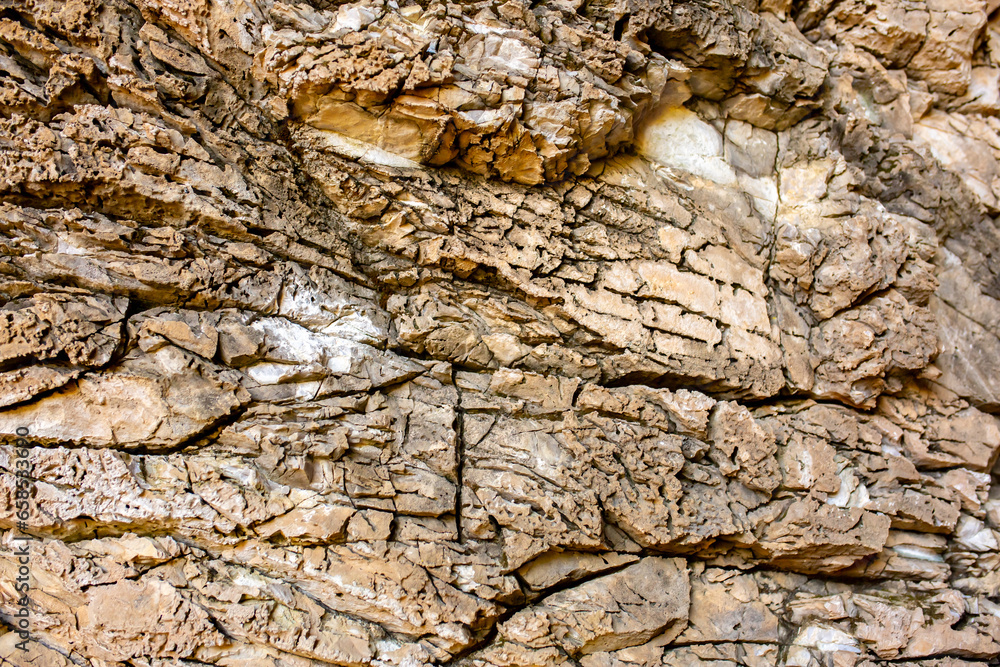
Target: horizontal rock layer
584,333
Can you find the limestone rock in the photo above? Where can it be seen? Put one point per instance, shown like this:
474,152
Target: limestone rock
612,612
580,333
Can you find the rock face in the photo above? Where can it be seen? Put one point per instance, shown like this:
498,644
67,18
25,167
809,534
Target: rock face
576,332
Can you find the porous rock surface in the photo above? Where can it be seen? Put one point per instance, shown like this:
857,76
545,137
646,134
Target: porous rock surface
595,333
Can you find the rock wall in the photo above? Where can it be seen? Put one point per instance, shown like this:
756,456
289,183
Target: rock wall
592,333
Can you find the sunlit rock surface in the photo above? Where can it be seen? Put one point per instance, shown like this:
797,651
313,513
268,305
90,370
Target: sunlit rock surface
576,332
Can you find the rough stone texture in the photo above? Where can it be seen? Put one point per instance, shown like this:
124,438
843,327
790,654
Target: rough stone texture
579,333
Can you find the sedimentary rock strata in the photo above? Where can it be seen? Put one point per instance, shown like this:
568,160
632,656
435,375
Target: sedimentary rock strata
596,334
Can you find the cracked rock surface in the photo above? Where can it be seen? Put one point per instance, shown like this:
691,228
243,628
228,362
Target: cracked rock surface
581,333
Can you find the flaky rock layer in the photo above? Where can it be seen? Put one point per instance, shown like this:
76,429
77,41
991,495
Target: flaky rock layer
591,333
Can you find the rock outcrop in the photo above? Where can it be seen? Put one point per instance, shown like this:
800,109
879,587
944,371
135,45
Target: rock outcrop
581,333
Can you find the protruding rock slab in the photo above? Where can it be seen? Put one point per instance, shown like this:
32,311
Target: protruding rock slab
616,611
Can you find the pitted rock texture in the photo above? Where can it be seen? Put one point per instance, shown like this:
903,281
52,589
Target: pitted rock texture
578,332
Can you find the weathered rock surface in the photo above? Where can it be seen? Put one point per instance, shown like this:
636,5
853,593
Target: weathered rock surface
583,333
